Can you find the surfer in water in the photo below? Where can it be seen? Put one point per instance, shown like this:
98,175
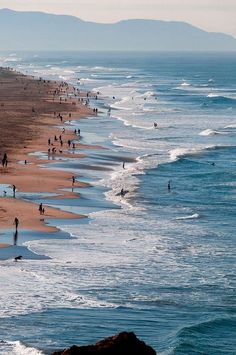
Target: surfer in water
168,186
155,125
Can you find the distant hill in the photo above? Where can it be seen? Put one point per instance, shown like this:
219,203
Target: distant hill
41,31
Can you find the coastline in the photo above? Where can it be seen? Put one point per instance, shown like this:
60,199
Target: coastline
141,266
33,111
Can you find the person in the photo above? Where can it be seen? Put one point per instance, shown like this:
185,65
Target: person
73,180
41,208
16,222
155,125
122,192
123,165
14,190
4,160
168,185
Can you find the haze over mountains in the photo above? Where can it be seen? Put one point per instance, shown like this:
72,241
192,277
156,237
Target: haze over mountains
41,31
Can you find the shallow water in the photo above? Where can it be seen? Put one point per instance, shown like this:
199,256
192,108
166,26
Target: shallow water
159,262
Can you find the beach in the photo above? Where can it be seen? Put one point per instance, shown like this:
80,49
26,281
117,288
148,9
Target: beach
32,112
159,260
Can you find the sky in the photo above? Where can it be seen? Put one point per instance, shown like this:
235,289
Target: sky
210,15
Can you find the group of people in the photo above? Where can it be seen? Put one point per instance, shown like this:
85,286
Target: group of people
63,88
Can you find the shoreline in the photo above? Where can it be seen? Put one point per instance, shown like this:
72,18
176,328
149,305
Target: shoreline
35,110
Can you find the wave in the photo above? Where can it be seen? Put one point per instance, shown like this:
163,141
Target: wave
12,59
69,71
209,132
185,84
149,94
17,347
177,153
88,80
134,125
216,98
231,126
213,95
193,216
202,332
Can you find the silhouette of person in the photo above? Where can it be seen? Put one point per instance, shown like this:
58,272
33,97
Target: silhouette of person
41,208
14,190
16,222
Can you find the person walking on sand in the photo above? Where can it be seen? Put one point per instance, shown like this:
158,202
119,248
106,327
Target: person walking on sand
4,160
41,208
73,180
14,190
16,223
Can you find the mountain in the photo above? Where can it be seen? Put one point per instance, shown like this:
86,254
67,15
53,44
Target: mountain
41,31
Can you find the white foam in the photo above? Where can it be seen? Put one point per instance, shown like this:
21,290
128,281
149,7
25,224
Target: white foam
213,95
185,84
193,216
230,126
177,153
210,132
20,349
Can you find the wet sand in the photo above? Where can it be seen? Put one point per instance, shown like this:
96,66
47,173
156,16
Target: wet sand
31,112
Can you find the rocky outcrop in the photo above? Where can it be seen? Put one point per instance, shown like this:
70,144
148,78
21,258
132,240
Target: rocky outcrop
122,344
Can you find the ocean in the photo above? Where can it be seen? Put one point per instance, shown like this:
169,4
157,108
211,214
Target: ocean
159,261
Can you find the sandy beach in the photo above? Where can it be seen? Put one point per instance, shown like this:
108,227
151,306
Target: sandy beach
32,114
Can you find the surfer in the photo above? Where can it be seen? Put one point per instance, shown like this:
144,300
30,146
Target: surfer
168,186
155,125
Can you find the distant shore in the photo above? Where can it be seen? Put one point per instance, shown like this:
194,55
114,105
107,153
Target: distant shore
32,114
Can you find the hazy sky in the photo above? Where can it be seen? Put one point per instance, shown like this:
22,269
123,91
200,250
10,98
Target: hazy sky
211,15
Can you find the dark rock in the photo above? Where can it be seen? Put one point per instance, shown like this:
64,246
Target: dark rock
122,344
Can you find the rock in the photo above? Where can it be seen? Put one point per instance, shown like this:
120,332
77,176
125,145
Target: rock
122,344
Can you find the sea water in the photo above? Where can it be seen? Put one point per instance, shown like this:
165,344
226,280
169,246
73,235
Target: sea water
159,261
